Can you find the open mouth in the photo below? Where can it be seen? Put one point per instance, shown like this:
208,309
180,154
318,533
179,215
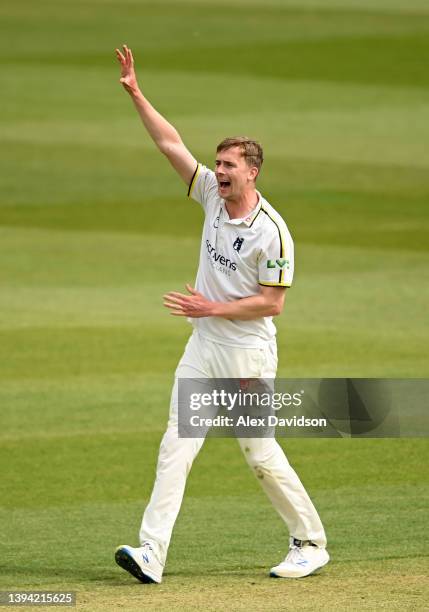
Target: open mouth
224,184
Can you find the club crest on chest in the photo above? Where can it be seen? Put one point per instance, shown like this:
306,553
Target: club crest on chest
237,243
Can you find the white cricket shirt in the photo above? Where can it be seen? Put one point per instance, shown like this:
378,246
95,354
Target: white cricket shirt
236,257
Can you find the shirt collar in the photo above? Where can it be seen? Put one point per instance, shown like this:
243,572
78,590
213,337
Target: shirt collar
248,220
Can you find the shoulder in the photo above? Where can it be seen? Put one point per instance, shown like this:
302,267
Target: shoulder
203,187
203,177
272,223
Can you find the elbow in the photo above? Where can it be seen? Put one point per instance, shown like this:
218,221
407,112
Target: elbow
275,309
273,299
165,148
168,147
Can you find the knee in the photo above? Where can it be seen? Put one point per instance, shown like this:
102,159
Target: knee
256,458
175,452
262,458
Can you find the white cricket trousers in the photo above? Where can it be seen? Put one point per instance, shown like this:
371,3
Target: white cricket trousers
206,359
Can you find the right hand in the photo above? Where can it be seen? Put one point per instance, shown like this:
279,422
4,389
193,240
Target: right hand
128,76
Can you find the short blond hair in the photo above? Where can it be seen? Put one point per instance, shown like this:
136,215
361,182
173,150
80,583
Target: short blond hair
250,149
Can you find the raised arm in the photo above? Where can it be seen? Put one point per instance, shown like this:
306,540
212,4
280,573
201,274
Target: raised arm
164,135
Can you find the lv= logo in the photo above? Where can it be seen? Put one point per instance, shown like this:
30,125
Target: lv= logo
278,263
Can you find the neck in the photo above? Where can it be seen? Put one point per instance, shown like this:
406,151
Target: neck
243,205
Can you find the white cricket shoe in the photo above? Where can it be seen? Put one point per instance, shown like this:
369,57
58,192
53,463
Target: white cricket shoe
141,562
303,559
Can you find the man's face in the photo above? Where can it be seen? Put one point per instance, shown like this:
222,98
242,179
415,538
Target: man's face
233,174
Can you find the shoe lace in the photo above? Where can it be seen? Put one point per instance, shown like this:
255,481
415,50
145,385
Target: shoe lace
294,555
155,554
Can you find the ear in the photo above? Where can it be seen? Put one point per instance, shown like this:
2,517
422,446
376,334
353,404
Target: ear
253,173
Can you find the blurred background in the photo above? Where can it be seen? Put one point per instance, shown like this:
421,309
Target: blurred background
95,226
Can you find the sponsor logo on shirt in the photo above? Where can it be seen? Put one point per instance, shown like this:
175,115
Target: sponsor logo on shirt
278,263
219,258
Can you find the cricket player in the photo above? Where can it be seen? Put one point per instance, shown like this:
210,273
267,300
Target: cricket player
245,267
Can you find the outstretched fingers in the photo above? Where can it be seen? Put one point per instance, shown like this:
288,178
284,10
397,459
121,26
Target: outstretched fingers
128,55
120,57
175,296
191,289
175,308
125,56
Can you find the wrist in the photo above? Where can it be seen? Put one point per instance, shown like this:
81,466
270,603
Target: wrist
135,92
217,309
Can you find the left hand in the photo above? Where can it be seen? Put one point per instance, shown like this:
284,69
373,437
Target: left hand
194,305
128,76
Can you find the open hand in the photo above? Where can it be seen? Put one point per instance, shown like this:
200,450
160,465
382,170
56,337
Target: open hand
128,75
194,305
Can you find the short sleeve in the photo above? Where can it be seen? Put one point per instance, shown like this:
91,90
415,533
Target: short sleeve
276,260
203,186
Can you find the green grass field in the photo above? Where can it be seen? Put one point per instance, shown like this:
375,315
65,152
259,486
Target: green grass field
95,227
